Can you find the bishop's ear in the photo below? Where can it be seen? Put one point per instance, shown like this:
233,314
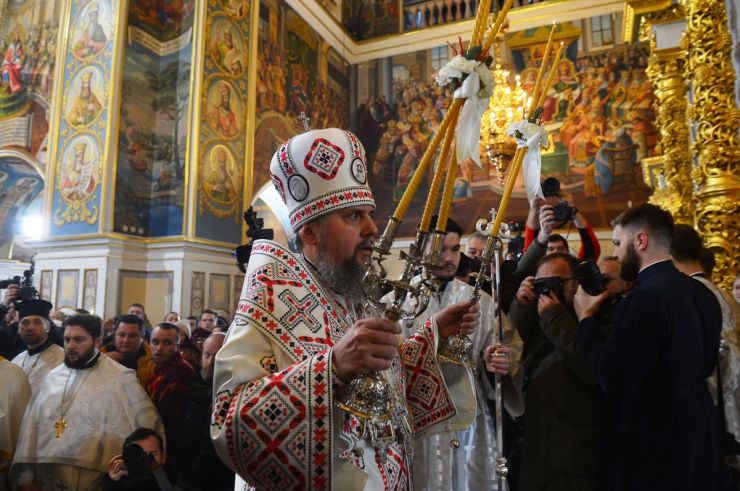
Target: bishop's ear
309,233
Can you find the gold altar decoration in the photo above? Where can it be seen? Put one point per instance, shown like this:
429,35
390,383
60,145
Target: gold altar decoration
507,103
714,118
666,72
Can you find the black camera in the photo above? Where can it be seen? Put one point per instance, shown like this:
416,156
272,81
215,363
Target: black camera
554,284
591,280
138,462
27,290
15,280
594,283
563,212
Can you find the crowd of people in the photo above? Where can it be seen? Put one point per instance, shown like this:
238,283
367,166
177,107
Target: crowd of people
618,372
82,390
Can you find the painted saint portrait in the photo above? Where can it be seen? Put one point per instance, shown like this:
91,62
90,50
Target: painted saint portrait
79,172
85,97
89,34
225,110
222,178
227,47
236,8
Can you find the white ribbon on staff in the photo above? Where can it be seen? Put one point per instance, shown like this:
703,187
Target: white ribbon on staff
468,124
532,137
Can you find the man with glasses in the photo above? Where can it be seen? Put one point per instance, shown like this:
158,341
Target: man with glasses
42,354
564,418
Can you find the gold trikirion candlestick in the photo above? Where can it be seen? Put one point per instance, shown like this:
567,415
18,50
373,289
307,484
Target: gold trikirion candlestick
375,397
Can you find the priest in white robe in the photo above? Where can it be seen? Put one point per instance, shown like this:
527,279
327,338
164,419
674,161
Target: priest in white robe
464,460
42,354
79,417
14,395
299,337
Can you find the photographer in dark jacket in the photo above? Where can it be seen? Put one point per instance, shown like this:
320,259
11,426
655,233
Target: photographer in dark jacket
140,467
11,343
565,413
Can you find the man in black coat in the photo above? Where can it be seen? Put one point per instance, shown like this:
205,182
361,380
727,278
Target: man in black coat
654,363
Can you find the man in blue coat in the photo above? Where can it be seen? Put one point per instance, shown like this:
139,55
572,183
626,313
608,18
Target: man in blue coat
654,362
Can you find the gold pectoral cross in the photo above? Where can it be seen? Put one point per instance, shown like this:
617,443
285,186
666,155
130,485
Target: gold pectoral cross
60,425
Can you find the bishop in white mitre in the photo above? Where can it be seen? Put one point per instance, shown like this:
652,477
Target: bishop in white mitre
42,354
79,417
279,375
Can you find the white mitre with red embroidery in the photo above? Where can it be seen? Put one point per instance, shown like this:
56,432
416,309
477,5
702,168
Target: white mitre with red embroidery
320,171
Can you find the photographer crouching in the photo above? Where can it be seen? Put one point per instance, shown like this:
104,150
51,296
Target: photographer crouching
140,466
564,442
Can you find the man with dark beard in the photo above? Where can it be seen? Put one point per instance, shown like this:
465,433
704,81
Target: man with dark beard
80,416
300,336
654,363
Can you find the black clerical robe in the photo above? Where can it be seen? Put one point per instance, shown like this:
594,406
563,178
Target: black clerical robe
653,367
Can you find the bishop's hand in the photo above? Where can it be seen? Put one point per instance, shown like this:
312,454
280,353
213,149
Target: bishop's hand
462,317
368,346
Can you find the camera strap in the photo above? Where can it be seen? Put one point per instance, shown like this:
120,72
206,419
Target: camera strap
162,481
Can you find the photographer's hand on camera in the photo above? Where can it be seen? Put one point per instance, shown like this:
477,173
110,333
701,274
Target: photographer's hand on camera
11,293
526,295
117,468
547,223
587,305
546,301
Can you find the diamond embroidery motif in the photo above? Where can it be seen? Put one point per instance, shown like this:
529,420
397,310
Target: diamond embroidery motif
324,159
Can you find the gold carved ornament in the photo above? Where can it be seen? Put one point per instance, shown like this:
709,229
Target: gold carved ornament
714,117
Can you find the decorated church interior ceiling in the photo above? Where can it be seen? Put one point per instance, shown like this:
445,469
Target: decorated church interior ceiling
156,137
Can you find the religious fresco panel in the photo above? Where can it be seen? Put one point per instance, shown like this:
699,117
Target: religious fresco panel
28,44
599,115
152,137
20,184
297,72
223,125
81,145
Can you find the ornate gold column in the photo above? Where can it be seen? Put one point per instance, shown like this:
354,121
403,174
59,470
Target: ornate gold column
714,119
666,71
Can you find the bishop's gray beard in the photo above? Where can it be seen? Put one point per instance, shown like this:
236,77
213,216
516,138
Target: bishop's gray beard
344,277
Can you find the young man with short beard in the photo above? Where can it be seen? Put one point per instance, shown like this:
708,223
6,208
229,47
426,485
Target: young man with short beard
80,416
300,336
654,363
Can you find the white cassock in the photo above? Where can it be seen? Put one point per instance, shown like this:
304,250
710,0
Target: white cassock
103,405
472,466
275,421
14,395
729,361
38,364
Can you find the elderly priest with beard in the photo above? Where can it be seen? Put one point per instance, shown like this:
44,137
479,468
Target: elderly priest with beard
79,417
300,336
